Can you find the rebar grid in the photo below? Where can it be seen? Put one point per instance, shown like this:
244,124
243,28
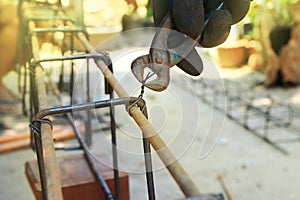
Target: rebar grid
256,111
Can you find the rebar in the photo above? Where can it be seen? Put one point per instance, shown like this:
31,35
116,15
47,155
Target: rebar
241,107
52,183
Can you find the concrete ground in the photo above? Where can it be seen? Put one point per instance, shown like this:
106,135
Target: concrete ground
204,140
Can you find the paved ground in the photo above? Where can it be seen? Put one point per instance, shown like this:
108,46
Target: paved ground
252,169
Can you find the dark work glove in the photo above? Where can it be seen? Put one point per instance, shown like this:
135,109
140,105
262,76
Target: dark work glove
209,19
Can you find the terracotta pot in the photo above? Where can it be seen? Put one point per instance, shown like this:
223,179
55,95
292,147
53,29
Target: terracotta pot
232,56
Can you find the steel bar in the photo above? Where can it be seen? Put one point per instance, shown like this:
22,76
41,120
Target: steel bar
83,106
90,161
41,166
88,121
176,170
71,83
80,107
148,161
86,106
149,170
70,57
147,152
113,126
267,116
54,18
114,148
247,106
264,137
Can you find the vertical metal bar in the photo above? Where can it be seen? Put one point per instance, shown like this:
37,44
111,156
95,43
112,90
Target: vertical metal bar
33,107
246,116
91,164
149,171
41,166
24,57
291,114
33,103
28,56
62,67
148,164
72,66
114,138
114,150
24,92
267,122
88,124
61,77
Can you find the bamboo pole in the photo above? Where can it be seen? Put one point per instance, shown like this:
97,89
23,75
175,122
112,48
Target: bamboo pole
51,168
176,170
53,182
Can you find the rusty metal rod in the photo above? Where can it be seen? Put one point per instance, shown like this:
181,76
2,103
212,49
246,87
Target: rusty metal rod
70,57
90,160
80,107
176,170
148,160
83,106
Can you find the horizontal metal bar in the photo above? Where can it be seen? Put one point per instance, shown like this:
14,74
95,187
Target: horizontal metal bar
27,19
59,29
71,57
267,116
84,106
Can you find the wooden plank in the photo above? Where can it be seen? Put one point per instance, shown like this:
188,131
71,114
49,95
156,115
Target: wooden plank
77,180
11,143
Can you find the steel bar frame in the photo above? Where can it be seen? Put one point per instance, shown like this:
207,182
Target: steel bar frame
96,105
67,110
33,65
25,37
46,150
236,102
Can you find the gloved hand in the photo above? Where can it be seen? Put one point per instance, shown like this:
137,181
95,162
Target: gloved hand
206,21
210,18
